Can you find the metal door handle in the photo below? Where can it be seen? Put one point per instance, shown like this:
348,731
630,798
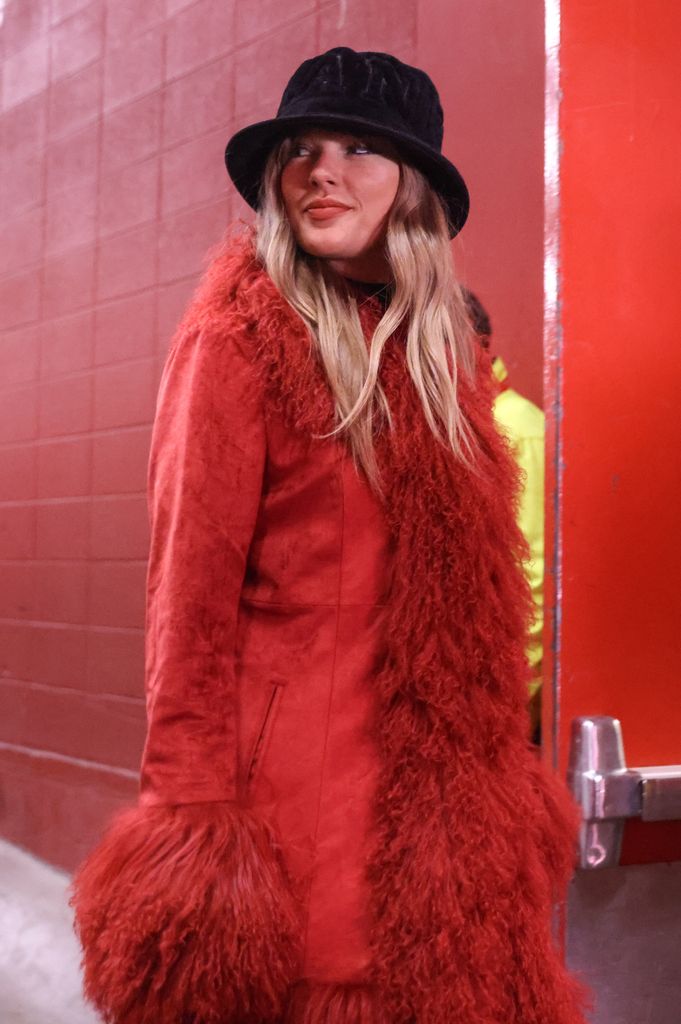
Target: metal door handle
608,791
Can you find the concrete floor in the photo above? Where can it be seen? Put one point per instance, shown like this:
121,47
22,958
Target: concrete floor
39,953
624,934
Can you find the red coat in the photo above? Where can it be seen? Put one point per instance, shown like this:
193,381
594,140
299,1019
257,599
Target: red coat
341,818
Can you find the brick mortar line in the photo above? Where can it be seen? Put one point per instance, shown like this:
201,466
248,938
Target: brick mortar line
73,691
52,755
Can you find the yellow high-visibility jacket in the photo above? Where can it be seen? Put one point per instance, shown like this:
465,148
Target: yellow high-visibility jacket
523,422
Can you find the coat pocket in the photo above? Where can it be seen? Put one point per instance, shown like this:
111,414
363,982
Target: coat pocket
265,731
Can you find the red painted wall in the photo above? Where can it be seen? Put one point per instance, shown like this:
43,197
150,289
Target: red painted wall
113,121
616,374
487,59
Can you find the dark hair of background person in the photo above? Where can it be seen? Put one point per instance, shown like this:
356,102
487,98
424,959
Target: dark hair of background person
478,316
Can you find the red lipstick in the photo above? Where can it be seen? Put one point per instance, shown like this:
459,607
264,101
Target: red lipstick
324,209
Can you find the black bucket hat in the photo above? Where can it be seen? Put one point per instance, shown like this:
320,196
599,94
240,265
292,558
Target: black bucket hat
347,90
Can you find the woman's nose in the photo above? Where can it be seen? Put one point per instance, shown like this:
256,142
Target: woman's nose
323,169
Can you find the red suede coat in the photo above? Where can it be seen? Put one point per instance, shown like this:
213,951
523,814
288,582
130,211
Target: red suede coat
341,818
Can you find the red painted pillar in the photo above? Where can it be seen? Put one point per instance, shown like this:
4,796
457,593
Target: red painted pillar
613,363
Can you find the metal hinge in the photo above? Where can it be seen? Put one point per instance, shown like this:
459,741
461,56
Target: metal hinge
608,792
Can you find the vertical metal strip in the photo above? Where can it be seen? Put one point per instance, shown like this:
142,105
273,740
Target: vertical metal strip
553,338
553,378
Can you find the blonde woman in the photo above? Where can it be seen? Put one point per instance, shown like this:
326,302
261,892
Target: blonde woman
341,819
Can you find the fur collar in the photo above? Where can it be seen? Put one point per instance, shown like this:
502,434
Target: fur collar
474,838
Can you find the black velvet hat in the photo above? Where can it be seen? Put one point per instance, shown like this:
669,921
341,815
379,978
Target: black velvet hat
368,92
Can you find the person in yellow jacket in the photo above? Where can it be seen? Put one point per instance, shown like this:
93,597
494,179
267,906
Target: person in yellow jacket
523,422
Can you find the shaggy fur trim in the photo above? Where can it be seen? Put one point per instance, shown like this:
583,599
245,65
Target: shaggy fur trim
469,824
184,916
334,1004
474,839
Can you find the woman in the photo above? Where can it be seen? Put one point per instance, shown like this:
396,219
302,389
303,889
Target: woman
341,818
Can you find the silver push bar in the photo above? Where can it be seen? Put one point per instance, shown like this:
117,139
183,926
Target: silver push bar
608,792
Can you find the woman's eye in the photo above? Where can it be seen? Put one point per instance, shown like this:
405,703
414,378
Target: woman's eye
301,149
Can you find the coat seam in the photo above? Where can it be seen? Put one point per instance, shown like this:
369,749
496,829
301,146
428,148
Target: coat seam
322,772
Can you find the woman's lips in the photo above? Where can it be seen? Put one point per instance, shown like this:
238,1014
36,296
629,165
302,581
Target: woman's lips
325,212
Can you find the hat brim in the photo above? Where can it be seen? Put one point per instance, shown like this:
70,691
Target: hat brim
248,149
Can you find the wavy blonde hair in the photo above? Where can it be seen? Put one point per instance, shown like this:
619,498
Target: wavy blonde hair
426,295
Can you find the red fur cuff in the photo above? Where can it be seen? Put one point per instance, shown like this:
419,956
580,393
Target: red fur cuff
185,914
334,1004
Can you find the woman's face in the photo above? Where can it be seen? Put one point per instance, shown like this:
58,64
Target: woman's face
360,175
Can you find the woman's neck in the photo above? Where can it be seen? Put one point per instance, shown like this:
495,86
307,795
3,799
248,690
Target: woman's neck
369,268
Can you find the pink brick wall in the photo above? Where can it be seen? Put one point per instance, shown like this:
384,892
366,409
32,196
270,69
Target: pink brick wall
114,120
114,116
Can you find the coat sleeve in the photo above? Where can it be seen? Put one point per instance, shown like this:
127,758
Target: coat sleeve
184,910
204,485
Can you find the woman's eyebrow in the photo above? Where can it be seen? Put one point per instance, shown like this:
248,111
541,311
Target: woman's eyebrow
372,142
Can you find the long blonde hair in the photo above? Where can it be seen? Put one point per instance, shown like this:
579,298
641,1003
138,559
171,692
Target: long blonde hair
426,296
